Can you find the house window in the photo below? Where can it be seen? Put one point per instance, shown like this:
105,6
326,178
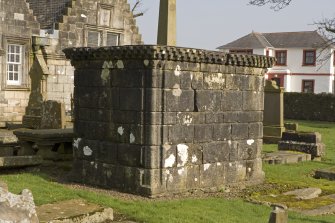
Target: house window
93,39
309,58
308,86
281,56
14,64
242,51
112,39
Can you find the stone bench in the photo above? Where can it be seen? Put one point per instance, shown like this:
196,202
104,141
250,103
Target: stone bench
306,142
50,144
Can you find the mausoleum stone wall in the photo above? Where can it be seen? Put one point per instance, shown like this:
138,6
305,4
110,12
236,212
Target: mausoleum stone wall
156,120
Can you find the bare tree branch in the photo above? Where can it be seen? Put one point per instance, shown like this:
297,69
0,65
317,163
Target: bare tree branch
137,5
275,4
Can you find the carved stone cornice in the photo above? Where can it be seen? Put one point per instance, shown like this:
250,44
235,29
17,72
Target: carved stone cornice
154,52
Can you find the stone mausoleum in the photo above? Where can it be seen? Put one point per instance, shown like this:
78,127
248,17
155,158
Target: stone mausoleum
156,120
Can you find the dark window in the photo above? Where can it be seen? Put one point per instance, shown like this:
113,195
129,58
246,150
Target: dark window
242,51
308,86
309,57
267,53
93,39
281,56
112,39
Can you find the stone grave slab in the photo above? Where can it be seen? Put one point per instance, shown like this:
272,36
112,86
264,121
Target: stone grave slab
285,157
305,193
328,174
74,211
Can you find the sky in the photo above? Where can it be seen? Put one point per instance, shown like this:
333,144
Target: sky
208,24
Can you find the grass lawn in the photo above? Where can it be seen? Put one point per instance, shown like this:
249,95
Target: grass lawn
196,210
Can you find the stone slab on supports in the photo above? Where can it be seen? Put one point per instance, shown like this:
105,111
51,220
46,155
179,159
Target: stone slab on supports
54,144
20,161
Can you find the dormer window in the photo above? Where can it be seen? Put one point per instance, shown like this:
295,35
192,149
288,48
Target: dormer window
309,57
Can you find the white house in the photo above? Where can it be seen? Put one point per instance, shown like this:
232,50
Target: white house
305,60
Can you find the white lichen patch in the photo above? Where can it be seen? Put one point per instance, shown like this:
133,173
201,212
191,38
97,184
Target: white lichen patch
187,120
87,151
206,166
76,143
194,159
83,16
215,80
181,171
250,142
169,162
120,130
196,179
177,71
176,91
131,138
229,142
249,170
182,151
219,164
146,63
119,64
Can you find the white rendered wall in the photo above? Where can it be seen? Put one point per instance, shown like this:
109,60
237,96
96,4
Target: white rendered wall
321,83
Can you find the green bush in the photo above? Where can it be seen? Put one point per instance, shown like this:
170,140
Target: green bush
307,106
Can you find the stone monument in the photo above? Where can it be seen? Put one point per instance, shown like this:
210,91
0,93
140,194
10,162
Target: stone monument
273,112
167,23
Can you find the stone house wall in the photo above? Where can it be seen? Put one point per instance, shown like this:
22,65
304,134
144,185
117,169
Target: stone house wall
73,21
17,26
157,120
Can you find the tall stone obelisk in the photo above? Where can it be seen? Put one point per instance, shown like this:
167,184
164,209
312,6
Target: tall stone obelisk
167,23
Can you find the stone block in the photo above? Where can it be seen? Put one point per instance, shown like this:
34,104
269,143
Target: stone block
179,100
176,179
108,153
129,155
131,99
221,132
253,101
181,134
216,152
256,130
155,157
193,177
53,115
206,100
239,131
203,133
189,154
214,81
231,101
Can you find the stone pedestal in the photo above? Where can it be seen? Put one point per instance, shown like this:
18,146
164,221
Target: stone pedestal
157,120
273,112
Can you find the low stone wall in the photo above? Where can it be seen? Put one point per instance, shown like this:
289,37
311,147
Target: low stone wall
154,120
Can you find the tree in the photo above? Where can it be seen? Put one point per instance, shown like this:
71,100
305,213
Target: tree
325,27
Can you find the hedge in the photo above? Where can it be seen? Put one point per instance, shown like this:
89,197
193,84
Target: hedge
308,106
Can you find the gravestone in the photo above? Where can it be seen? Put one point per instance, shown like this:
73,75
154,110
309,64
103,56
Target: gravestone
273,112
53,115
167,23
157,120
41,113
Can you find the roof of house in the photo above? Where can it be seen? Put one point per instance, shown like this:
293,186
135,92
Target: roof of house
306,39
48,12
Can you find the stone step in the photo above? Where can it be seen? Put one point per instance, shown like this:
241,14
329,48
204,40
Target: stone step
74,211
285,157
20,161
